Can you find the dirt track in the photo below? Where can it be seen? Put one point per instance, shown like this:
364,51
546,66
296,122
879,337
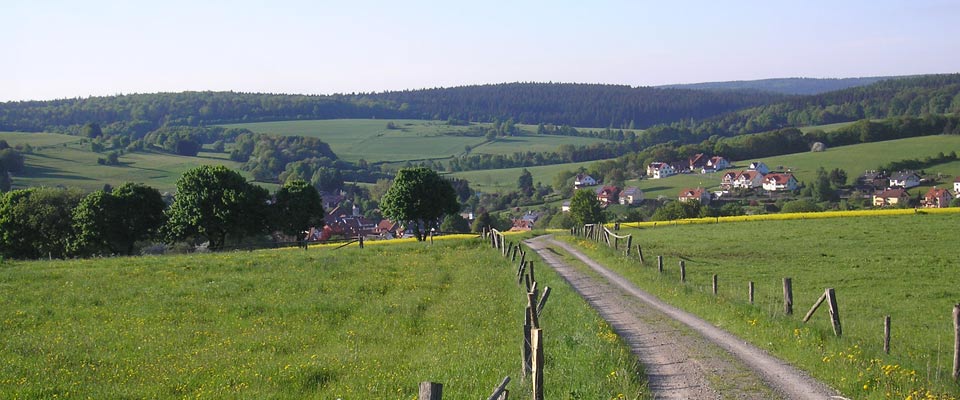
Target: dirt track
684,357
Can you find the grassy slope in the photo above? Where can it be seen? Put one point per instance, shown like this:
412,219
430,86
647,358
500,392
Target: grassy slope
900,266
506,179
349,323
354,139
61,160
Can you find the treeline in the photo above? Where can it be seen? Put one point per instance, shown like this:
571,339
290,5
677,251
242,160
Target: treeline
11,162
801,86
912,96
589,105
213,205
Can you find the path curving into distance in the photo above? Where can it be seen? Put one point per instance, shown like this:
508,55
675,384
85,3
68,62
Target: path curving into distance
683,356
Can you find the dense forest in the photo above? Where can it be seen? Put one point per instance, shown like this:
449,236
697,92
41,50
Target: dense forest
798,86
562,104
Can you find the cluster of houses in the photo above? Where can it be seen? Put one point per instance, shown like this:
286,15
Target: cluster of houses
895,191
697,163
606,195
758,175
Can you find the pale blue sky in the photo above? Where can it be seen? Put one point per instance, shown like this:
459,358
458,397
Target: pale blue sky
60,49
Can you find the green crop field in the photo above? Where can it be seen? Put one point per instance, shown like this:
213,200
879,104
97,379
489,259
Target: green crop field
290,324
369,139
901,266
854,159
493,180
61,160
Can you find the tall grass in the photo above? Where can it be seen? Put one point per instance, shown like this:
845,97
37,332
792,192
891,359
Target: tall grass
903,266
351,323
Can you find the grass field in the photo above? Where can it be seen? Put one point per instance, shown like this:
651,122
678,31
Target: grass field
369,139
61,160
506,179
827,127
289,324
854,159
901,266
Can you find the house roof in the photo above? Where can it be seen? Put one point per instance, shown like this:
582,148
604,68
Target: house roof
889,193
957,179
716,160
732,175
692,193
748,175
583,177
658,165
780,179
608,191
936,192
904,175
698,160
631,191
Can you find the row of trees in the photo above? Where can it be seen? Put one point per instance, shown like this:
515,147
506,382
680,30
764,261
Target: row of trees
213,204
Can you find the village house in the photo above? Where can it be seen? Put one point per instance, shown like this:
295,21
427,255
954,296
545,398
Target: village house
659,170
715,164
607,195
745,179
565,207
937,198
956,186
872,180
631,195
905,179
697,162
890,197
760,167
582,180
777,182
698,194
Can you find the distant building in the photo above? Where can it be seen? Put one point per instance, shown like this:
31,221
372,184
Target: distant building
582,180
660,170
956,187
741,180
760,167
905,179
890,197
714,164
698,194
779,182
565,206
937,198
697,161
631,195
607,195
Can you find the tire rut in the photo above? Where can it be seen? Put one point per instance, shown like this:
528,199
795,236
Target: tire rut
683,356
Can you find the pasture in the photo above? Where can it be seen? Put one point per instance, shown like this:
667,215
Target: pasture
370,140
291,324
901,266
61,160
493,180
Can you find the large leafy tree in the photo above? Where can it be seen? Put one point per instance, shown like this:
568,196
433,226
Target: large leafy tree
298,208
525,182
214,203
112,222
585,208
36,222
418,198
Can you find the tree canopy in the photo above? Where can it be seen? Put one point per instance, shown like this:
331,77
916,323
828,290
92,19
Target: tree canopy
36,222
585,208
213,203
298,208
418,198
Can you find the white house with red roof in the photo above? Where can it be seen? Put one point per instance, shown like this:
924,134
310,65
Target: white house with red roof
607,195
631,195
891,197
715,163
582,180
777,182
937,198
956,187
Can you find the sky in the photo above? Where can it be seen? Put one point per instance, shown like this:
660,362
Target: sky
65,49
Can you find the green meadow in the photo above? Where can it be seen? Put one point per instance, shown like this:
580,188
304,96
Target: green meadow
493,180
61,160
901,266
291,324
370,140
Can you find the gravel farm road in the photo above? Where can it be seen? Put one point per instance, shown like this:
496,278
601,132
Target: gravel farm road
683,356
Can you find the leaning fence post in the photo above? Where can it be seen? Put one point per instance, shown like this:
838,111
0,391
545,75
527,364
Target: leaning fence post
834,311
430,391
788,296
956,341
886,334
501,389
640,253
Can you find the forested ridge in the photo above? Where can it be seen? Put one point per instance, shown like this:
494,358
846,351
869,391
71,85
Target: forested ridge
586,105
798,86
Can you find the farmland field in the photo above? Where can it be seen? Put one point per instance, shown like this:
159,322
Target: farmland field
62,160
506,179
369,139
901,266
351,323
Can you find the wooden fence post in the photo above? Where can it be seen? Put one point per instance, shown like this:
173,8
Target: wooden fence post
714,284
956,341
513,253
543,300
530,271
360,238
501,390
630,244
683,271
430,391
886,334
788,296
834,311
815,306
750,291
536,339
640,253
660,264
525,367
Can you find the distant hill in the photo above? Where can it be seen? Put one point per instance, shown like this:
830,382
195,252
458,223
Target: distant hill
796,86
582,105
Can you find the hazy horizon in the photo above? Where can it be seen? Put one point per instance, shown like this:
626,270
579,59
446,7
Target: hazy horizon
58,49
